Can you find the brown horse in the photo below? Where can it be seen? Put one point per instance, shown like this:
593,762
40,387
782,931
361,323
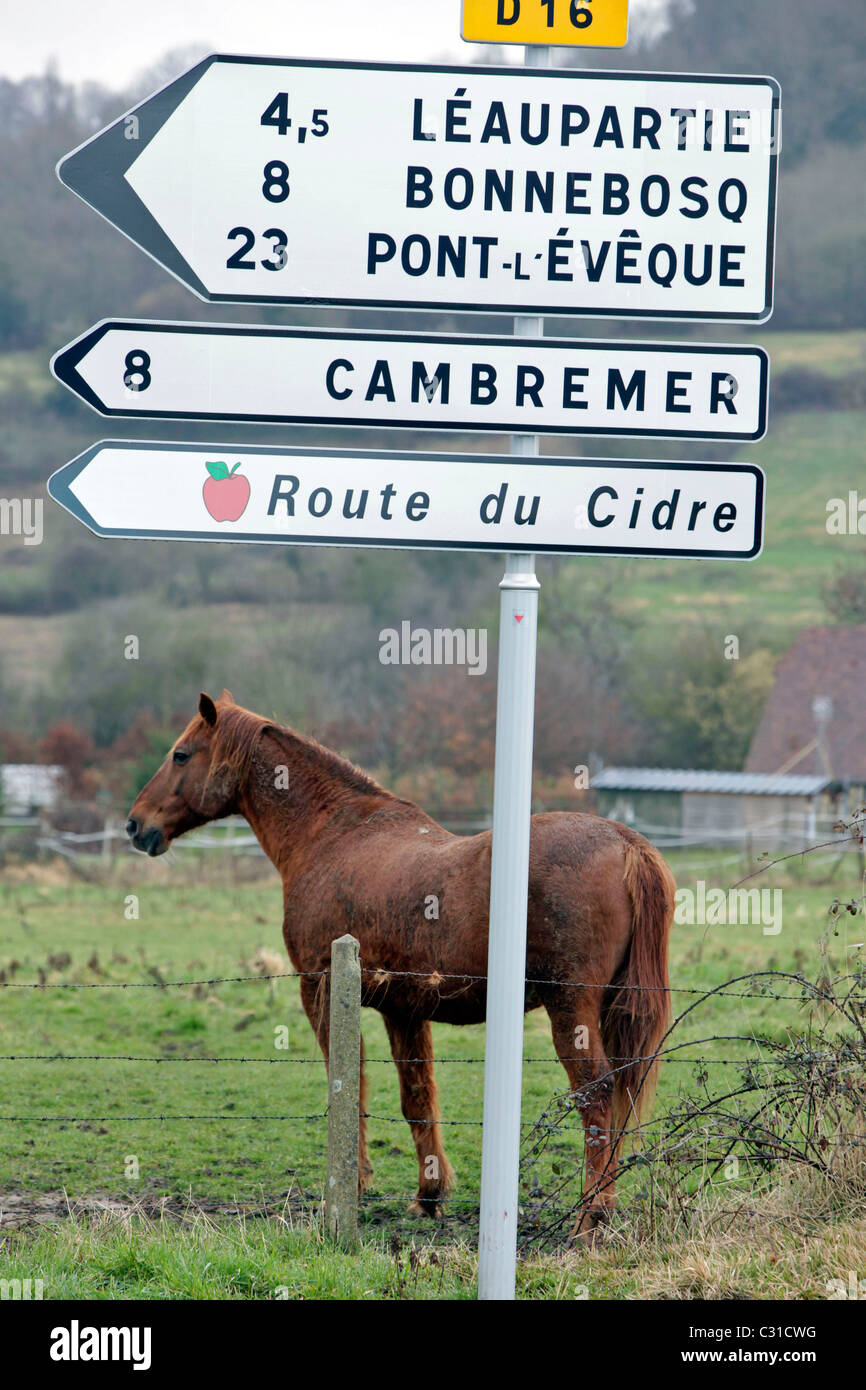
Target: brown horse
353,858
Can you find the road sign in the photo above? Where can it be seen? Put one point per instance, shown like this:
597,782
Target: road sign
310,376
590,23
211,492
505,190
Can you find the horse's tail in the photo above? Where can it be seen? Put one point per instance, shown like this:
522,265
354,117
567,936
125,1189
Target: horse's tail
636,1014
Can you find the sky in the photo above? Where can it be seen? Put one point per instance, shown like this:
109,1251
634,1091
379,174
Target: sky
113,41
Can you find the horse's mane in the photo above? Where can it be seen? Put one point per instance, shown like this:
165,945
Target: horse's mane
238,735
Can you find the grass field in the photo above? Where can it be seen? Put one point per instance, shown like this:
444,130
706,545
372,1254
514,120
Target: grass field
808,458
239,1195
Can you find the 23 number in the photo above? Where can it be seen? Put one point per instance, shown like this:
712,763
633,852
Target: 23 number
238,259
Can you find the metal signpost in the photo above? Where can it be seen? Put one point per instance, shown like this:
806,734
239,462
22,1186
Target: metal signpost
200,371
514,191
509,892
509,190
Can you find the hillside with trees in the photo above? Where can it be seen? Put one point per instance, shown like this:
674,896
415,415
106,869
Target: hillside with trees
623,643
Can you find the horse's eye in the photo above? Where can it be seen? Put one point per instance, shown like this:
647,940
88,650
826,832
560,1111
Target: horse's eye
180,756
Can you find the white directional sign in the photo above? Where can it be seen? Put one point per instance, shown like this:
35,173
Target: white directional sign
504,190
312,376
418,501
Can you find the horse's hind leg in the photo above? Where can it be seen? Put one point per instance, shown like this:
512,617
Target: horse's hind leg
412,1050
315,997
578,1043
365,1167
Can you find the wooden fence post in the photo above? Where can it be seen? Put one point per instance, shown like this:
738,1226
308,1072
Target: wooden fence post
344,1092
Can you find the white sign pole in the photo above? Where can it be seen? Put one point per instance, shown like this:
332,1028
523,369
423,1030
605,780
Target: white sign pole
509,890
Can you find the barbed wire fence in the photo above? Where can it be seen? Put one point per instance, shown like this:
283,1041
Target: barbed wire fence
806,1092
814,1066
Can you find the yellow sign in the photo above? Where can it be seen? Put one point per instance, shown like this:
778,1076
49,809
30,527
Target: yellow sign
594,23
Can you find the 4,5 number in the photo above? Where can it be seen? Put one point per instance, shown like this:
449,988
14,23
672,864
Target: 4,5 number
239,259
277,115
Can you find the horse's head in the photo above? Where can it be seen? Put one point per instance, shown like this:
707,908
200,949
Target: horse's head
192,786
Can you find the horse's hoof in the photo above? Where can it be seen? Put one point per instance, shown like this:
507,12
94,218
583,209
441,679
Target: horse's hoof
587,1239
590,1230
426,1206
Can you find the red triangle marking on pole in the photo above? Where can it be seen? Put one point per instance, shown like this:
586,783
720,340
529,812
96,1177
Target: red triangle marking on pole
518,617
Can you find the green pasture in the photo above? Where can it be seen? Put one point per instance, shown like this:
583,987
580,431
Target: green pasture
808,458
186,930
241,1196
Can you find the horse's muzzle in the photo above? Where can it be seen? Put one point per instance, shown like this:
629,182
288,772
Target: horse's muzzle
151,841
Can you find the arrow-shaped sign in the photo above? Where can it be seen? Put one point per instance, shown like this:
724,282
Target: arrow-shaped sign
434,381
504,190
418,501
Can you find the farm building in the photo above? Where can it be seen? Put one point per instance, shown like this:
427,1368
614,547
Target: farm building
814,720
805,770
28,788
680,806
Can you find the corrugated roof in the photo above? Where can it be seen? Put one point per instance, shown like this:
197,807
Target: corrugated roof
664,779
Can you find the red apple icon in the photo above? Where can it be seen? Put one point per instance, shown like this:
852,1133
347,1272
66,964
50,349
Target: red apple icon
225,493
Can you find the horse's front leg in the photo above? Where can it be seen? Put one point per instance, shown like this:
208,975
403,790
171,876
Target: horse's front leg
315,997
412,1050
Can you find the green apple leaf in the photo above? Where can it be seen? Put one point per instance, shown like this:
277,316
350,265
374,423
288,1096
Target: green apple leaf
217,470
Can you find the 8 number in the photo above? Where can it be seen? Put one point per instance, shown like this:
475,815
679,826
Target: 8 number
136,364
276,176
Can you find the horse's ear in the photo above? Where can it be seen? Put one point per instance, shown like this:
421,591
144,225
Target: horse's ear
227,697
207,709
